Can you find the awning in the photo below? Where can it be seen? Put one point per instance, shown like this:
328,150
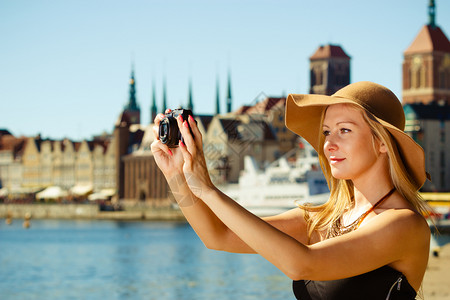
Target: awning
81,189
108,192
3,192
97,196
52,192
104,194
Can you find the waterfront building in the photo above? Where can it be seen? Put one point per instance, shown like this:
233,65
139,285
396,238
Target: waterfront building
11,151
103,165
128,137
232,136
79,167
429,125
65,163
143,180
84,165
329,70
273,108
46,163
31,163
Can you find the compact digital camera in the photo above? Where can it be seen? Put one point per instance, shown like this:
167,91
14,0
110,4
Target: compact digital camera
169,132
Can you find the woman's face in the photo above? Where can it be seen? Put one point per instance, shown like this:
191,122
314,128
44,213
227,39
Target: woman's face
349,143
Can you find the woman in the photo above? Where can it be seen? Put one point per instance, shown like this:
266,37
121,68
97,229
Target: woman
369,241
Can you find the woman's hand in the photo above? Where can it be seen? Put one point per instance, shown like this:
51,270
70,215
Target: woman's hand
169,160
194,168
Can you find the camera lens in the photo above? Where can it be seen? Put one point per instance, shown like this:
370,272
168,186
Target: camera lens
168,131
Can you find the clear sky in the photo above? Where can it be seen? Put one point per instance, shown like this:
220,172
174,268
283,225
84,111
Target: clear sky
65,65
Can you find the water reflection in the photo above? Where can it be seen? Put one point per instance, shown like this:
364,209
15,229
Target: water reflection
127,260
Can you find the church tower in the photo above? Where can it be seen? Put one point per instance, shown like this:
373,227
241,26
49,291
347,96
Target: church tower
329,70
153,108
132,110
426,65
229,97
190,104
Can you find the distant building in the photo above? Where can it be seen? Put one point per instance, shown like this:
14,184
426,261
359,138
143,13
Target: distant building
426,65
329,70
11,151
274,109
429,125
230,137
132,109
143,180
426,100
128,136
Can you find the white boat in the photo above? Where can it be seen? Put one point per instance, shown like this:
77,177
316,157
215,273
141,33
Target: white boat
295,178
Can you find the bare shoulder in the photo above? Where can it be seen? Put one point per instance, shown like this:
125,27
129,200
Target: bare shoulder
409,236
405,233
405,218
404,221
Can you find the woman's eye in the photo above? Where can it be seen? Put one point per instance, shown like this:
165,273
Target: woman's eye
326,132
345,130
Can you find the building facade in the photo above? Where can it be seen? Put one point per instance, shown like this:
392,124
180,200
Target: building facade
11,151
426,100
426,65
231,137
429,125
329,70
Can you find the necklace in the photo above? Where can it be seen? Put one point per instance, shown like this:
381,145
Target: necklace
337,229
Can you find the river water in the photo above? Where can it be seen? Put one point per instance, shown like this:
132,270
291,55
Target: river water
57,259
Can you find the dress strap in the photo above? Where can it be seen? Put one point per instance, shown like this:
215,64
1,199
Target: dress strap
361,219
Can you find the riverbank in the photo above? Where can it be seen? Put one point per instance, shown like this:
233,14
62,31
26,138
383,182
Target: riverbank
435,283
88,211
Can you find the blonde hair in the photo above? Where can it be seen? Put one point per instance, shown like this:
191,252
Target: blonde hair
341,191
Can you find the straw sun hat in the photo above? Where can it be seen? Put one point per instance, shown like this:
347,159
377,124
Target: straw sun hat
303,114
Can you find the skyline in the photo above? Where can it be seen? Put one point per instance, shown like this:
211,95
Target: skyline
65,66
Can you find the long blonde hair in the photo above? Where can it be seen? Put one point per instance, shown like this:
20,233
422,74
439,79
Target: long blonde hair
341,191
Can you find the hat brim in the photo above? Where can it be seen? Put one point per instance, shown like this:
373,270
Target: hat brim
303,114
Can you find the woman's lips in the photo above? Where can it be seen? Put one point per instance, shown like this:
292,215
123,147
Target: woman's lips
335,160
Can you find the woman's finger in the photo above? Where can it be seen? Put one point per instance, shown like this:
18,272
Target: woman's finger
157,145
186,155
155,130
196,132
188,138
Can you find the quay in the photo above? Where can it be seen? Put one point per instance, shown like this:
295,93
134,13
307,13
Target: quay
90,212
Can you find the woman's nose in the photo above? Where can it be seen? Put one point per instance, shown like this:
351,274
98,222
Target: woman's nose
330,144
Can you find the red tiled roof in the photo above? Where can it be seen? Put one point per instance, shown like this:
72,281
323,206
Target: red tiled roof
328,51
11,143
266,105
429,39
241,110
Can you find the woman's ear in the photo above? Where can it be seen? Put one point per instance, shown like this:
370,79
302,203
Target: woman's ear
382,148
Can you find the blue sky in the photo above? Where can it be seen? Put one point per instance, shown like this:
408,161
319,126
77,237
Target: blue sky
65,65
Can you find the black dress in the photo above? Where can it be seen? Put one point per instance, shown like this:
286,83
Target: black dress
379,284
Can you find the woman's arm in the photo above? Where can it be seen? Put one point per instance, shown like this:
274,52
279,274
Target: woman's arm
211,230
391,237
216,235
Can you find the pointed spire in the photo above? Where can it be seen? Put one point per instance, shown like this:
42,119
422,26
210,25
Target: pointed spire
432,14
153,109
132,103
229,97
164,104
217,96
190,104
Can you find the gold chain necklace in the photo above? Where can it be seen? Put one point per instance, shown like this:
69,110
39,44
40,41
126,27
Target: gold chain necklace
337,229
